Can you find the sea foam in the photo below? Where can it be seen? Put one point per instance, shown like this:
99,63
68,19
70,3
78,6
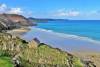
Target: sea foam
70,36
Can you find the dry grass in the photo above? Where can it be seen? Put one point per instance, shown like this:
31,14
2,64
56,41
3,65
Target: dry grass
94,57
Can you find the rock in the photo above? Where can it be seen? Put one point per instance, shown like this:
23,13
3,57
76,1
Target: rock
36,40
89,64
33,44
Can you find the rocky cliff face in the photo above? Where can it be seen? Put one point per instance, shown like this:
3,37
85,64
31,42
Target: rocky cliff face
5,23
13,20
19,19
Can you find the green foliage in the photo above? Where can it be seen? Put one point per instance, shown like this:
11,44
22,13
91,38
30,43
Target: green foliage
6,62
77,62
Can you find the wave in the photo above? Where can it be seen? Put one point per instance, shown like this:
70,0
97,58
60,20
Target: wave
70,36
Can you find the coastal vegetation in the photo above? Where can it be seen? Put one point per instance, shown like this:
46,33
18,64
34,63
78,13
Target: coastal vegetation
19,53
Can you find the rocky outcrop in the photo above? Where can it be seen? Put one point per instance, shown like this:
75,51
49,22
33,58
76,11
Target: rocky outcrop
33,44
6,23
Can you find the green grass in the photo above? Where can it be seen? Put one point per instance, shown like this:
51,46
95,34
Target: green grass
5,62
45,54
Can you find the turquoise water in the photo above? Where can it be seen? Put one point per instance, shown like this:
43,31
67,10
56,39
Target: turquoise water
82,28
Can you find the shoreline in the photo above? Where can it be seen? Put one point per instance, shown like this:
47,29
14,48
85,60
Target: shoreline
19,32
71,36
57,40
44,37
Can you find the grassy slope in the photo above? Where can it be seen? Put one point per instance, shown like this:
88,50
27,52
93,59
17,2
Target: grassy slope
49,56
5,62
34,57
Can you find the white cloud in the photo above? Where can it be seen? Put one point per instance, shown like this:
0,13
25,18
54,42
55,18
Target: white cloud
76,14
73,13
15,11
10,10
68,13
3,8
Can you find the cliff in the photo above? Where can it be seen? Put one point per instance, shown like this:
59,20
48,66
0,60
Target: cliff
19,19
5,23
9,21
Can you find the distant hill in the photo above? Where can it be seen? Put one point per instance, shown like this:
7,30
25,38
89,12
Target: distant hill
46,19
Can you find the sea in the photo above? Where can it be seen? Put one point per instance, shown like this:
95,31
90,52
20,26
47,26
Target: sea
70,35
82,28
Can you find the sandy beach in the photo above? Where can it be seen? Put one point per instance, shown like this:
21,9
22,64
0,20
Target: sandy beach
19,31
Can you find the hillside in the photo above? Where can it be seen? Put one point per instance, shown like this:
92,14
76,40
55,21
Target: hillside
18,19
35,54
10,21
5,23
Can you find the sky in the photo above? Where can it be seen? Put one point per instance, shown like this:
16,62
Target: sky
64,9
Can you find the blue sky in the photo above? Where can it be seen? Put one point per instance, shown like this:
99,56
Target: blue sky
71,9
